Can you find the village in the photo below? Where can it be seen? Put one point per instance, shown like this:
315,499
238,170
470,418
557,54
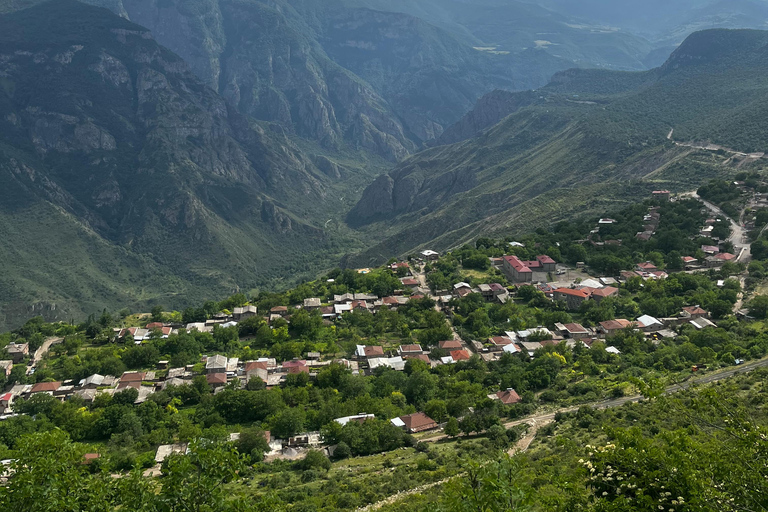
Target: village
571,286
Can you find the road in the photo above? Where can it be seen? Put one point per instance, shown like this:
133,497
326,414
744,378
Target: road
40,352
738,236
715,147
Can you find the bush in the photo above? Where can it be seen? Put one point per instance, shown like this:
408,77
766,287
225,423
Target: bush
342,451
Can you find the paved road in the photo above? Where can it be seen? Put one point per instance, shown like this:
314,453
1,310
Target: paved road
40,352
738,236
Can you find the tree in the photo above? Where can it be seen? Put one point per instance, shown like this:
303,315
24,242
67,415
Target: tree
496,486
452,427
253,442
288,422
316,460
342,451
758,306
157,313
48,476
436,409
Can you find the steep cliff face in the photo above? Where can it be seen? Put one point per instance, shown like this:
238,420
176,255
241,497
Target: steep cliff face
124,148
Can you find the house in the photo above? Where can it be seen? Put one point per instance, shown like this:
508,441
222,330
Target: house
606,221
6,367
298,369
572,298
312,304
416,422
646,266
132,377
462,289
279,310
342,299
410,350
689,261
92,382
295,363
450,345
216,380
694,312
366,351
719,259
661,195
611,327
358,418
340,309
531,347
602,293
509,396
240,314
710,249
45,387
410,282
17,351
216,364
398,265
499,342
573,331
460,355
649,324
420,357
5,400
430,255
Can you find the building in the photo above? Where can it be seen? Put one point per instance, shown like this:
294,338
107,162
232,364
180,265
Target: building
45,387
17,351
649,324
430,255
509,396
611,327
499,342
216,380
574,331
216,364
601,293
6,367
410,282
240,314
358,418
410,350
694,312
646,266
573,298
450,345
366,351
460,355
518,271
661,195
312,303
416,422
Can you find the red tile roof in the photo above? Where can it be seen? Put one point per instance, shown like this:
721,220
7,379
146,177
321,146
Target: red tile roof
570,291
614,325
410,282
294,363
410,348
418,422
605,292
509,397
155,325
298,369
517,264
450,344
374,351
133,377
42,387
253,365
216,378
575,328
500,341
460,355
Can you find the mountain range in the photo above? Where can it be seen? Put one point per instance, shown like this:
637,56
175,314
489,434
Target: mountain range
163,152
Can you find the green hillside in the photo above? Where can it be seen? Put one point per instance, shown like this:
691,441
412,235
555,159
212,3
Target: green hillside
591,138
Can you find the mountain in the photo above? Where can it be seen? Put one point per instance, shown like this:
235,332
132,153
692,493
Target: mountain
591,137
126,180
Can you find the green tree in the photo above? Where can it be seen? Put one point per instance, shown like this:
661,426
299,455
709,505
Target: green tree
452,427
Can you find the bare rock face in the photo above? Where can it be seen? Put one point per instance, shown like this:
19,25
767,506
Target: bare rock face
274,217
377,201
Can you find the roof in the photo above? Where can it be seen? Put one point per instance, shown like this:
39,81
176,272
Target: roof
500,341
574,293
17,347
545,260
313,302
216,362
359,418
132,377
410,348
647,265
294,363
279,309
509,396
450,344
605,292
422,357
43,387
417,420
613,325
694,310
647,321
689,259
216,378
725,256
575,328
460,355
298,369
255,365
373,350
517,264
409,281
